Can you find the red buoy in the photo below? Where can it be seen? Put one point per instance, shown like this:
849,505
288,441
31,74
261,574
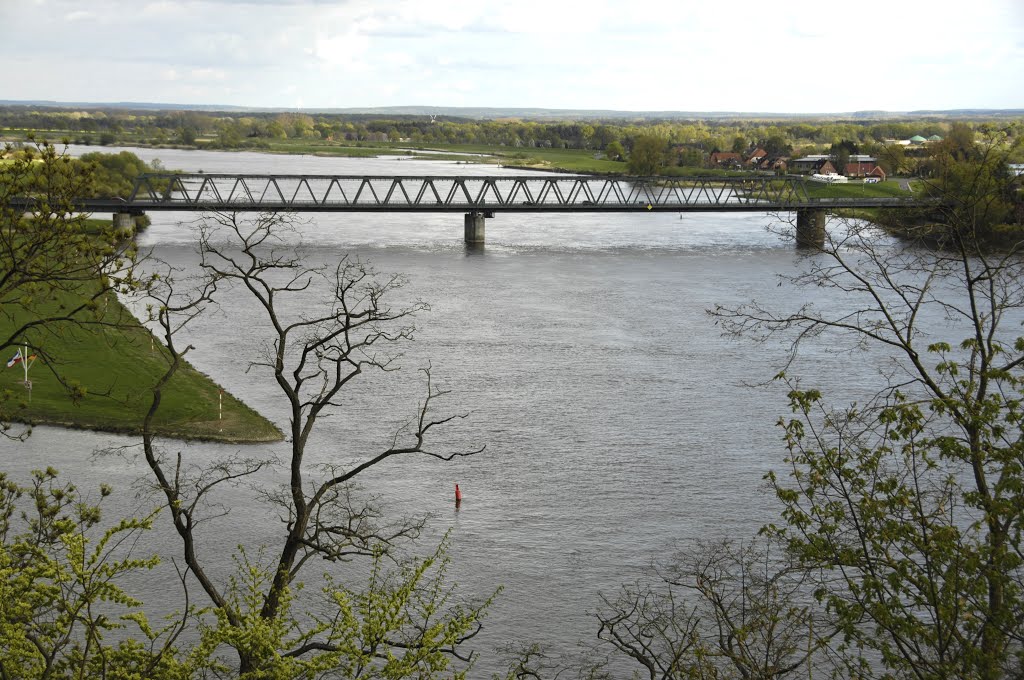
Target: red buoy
458,495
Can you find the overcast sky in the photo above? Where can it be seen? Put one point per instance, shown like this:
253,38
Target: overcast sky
681,55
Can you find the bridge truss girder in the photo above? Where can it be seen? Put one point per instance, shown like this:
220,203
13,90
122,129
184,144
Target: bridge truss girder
554,193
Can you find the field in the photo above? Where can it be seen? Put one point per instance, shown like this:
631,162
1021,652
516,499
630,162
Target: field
115,366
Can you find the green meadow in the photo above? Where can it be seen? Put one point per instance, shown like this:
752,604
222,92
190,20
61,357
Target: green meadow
110,363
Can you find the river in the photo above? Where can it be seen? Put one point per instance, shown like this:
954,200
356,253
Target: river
619,423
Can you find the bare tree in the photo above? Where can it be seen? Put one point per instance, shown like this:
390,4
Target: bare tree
720,611
313,354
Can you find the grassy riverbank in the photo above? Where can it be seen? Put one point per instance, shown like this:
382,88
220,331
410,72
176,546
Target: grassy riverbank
114,361
886,189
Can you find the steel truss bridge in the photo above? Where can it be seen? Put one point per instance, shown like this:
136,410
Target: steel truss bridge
479,197
487,194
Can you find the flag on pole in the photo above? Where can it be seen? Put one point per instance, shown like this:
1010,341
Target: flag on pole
15,359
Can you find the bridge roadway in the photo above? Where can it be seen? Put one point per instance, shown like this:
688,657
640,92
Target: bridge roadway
482,197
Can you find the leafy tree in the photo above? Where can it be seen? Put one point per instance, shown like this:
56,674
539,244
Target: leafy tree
959,142
841,153
187,135
59,593
62,603
113,175
892,158
776,145
647,156
55,269
911,506
977,191
614,151
586,135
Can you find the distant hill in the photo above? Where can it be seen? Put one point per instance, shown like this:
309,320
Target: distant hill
531,113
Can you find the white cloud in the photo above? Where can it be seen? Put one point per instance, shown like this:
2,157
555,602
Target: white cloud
341,51
398,59
208,74
744,54
163,8
449,15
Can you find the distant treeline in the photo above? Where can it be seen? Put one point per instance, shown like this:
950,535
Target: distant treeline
691,140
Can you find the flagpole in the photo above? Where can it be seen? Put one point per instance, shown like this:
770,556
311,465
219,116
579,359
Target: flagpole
24,360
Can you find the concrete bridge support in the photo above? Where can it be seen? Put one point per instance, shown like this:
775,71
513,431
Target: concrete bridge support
810,228
124,221
474,222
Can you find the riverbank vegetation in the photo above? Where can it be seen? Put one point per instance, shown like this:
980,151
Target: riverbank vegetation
685,142
60,276
650,147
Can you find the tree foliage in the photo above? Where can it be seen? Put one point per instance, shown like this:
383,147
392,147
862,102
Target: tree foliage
912,505
56,268
614,151
647,156
60,598
65,614
978,191
253,129
113,175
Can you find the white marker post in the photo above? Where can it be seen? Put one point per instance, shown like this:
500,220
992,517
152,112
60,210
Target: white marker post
26,363
220,408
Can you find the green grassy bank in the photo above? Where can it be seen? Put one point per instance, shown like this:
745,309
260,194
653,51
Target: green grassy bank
886,189
115,361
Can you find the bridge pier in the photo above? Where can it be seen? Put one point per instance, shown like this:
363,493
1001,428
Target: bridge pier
810,228
474,222
124,221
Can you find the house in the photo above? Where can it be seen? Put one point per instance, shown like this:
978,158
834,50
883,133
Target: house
826,168
722,159
755,157
820,164
875,176
860,165
807,164
774,163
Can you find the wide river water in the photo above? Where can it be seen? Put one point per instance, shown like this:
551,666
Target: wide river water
620,424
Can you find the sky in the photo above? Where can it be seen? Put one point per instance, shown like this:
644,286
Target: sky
785,56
